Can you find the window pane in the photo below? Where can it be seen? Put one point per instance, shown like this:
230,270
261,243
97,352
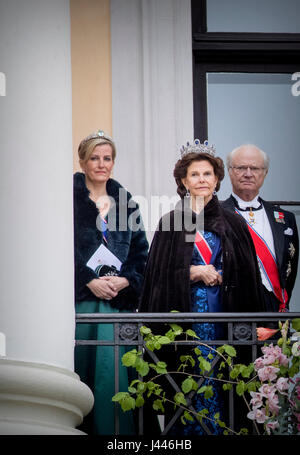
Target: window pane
267,16
259,109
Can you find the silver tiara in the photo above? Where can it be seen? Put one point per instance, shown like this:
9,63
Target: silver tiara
96,135
197,147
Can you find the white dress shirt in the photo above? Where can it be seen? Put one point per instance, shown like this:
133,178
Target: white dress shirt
261,226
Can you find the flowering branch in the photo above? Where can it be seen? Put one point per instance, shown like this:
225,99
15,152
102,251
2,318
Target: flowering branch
269,379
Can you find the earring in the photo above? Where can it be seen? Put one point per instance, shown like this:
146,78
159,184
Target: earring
187,194
214,192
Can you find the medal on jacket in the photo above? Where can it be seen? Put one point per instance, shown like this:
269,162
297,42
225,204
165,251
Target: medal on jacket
251,216
279,217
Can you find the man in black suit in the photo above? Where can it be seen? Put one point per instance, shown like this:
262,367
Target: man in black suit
273,230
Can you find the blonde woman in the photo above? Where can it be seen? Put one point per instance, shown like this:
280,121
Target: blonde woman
102,216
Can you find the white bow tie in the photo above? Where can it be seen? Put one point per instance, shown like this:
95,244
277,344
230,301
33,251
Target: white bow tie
245,204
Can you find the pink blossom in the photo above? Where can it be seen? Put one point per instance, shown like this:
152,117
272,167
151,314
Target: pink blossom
272,425
268,373
259,363
267,389
257,414
256,400
273,404
273,353
282,384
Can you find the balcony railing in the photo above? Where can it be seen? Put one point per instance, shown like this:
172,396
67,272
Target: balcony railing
239,330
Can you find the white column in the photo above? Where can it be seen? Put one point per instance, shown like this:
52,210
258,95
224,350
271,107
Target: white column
152,91
39,391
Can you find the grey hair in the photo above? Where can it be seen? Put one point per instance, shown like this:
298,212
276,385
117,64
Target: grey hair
263,154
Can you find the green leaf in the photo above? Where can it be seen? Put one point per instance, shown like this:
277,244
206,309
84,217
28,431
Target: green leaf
208,391
164,340
296,324
127,403
161,367
150,345
230,350
202,414
251,386
234,372
139,402
132,389
142,367
183,420
245,371
141,387
191,333
179,398
187,358
145,330
119,396
176,328
125,400
129,359
227,387
158,405
187,385
240,388
188,416
204,364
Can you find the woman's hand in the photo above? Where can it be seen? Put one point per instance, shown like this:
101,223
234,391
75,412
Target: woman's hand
119,282
206,273
102,289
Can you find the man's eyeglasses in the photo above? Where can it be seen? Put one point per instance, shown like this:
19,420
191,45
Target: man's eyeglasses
242,169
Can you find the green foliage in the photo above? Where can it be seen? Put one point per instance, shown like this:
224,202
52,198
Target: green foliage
296,324
242,378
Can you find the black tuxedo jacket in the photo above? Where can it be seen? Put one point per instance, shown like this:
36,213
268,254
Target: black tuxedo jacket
286,242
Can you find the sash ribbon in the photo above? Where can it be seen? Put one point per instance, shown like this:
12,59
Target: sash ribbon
269,265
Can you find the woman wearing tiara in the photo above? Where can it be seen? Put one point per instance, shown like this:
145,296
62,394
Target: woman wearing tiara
204,262
102,218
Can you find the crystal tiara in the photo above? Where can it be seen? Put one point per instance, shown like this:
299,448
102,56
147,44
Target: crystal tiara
197,147
96,135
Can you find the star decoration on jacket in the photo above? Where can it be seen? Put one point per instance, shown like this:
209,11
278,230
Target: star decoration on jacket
292,250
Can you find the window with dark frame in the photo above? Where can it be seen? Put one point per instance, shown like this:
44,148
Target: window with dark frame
234,52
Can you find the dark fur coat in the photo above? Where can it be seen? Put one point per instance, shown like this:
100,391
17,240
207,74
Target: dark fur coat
167,276
129,245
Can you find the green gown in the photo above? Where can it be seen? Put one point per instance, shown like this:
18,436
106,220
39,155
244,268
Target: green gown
95,366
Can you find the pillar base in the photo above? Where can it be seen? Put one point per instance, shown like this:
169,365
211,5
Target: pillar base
41,399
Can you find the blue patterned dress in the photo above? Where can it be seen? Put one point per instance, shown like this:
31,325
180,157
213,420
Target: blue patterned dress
205,299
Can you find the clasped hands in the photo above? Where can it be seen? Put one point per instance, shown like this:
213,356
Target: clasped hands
206,273
107,287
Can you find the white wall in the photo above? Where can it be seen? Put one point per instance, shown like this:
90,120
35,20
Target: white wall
152,93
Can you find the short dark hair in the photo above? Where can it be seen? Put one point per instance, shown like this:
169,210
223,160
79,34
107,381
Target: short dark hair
182,165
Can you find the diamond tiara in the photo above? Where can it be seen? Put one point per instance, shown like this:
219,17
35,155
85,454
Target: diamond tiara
197,147
96,135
